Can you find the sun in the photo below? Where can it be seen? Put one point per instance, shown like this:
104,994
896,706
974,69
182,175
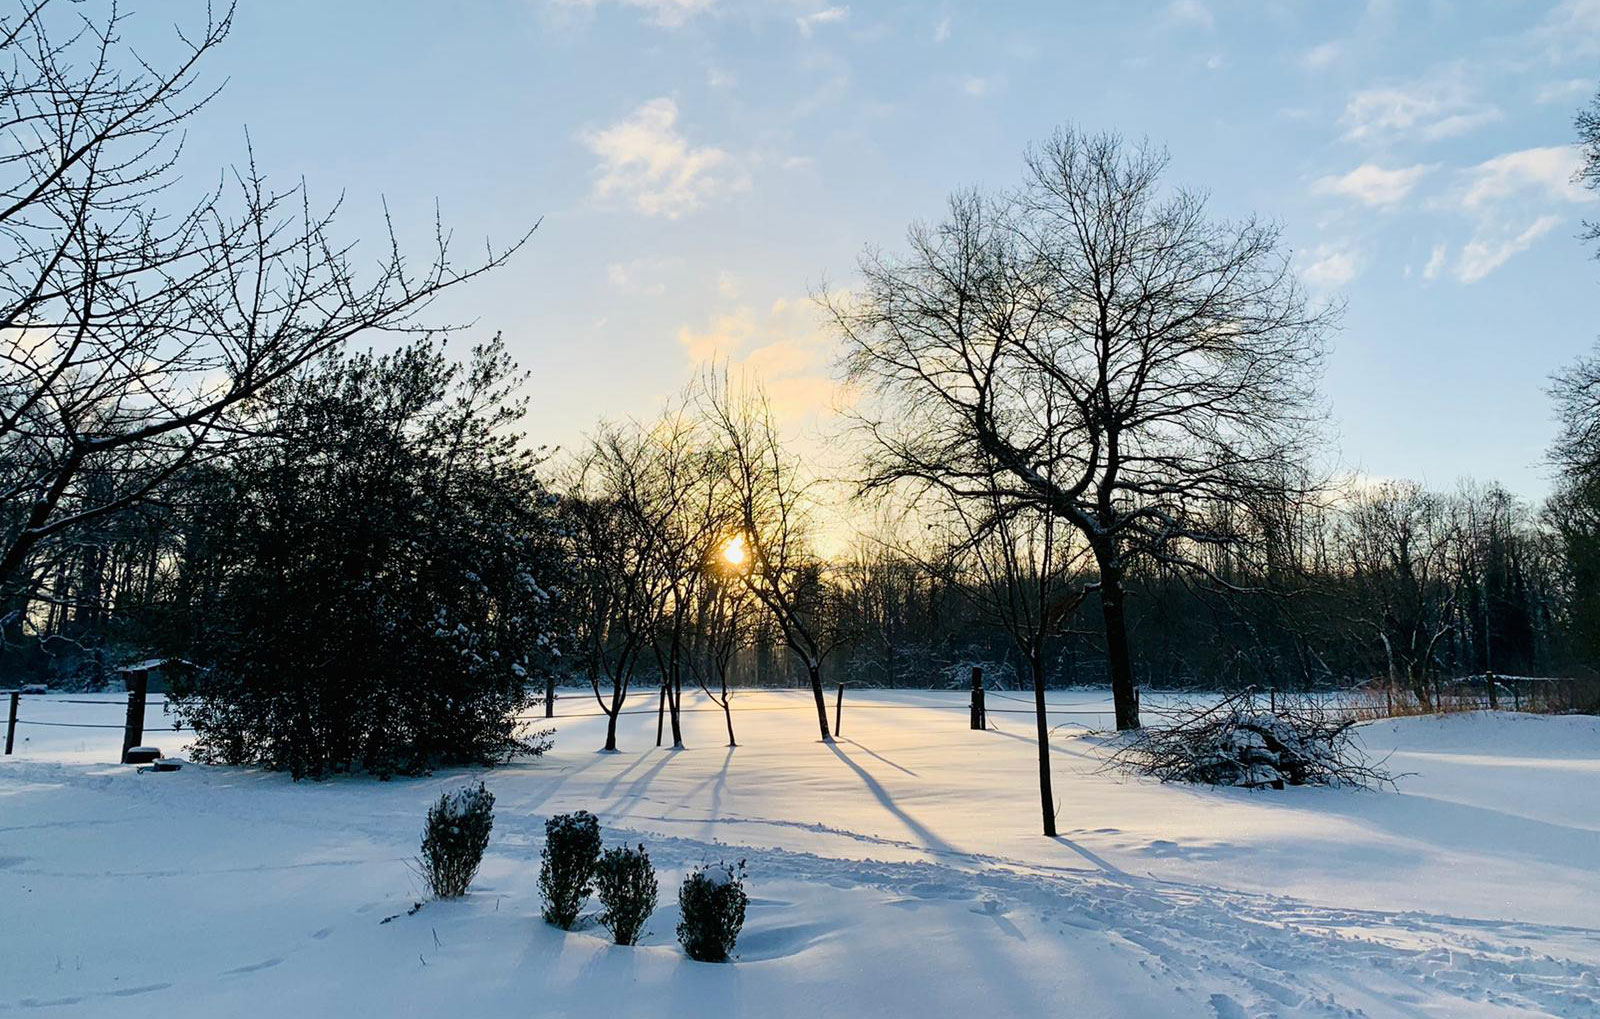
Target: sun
733,551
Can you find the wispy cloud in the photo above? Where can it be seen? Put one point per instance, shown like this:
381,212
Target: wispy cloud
1332,266
1436,262
1482,255
1190,12
646,162
1372,184
669,13
643,275
1544,172
1571,31
1564,91
1430,109
941,30
784,345
979,86
1509,201
1319,57
809,23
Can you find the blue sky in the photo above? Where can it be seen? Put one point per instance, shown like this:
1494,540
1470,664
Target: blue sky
702,165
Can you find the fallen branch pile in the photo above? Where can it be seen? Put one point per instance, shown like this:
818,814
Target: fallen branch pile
1238,742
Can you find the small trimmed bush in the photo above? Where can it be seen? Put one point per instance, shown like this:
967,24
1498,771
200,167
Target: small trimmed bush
711,902
566,868
625,883
454,838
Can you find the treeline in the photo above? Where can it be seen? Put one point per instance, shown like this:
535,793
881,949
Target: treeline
368,470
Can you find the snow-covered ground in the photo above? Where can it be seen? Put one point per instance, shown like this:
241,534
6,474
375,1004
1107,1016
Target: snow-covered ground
896,873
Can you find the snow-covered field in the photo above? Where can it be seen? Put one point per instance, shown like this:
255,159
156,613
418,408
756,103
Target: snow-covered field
897,873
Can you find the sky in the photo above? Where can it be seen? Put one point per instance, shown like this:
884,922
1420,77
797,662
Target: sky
699,168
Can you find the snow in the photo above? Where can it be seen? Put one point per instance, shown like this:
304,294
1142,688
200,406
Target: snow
895,872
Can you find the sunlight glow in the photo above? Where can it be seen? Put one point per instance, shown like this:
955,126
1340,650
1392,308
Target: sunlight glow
734,552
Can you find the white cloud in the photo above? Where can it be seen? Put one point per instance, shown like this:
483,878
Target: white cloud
716,77
1318,57
1571,30
1332,267
979,85
786,347
1372,184
648,164
1442,107
1190,12
827,16
1571,90
941,30
642,275
1436,262
668,13
1546,172
1508,200
1482,256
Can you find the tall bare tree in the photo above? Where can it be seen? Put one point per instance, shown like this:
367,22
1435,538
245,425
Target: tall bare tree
1122,358
1022,569
135,328
614,529
771,505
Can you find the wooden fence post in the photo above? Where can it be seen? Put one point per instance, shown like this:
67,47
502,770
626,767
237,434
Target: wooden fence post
980,717
838,708
550,696
133,728
11,721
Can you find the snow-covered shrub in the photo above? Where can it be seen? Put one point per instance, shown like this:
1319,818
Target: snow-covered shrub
711,904
454,838
625,883
1239,742
382,574
566,869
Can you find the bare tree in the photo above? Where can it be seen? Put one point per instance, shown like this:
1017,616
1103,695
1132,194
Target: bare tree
1398,541
721,628
1021,568
1124,360
771,504
619,589
682,506
137,330
1588,175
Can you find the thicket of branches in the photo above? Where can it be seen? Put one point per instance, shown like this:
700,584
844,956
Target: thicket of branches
1240,742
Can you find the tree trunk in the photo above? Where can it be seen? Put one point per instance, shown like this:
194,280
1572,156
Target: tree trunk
675,708
814,673
1118,660
661,710
1047,799
611,731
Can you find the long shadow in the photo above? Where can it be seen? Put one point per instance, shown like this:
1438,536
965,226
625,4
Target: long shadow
635,793
722,783
1099,861
879,756
922,832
